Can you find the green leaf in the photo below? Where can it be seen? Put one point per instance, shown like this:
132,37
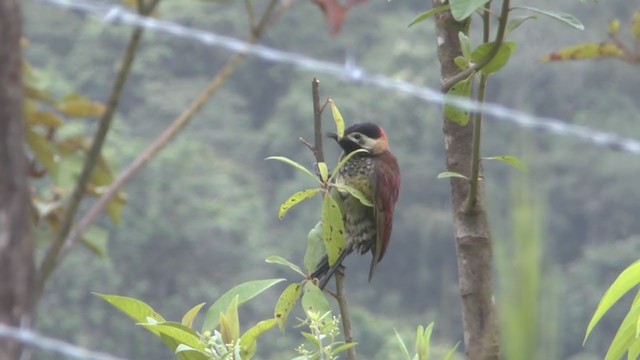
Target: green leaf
296,199
230,323
563,17
461,61
133,308
342,348
462,9
333,234
625,336
517,21
42,150
337,117
245,292
465,44
177,332
314,340
403,347
96,239
286,303
315,248
426,15
452,352
191,353
345,159
509,160
282,261
295,165
248,341
324,171
313,300
450,174
626,281
187,319
423,337
454,113
355,193
499,61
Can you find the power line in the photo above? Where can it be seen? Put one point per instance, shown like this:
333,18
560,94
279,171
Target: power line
36,340
350,72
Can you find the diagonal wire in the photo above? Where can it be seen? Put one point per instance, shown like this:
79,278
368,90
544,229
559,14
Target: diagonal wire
36,340
350,72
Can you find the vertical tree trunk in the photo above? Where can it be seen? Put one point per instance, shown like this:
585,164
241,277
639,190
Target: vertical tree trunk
472,235
16,247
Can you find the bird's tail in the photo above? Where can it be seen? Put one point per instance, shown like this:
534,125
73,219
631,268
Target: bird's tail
324,272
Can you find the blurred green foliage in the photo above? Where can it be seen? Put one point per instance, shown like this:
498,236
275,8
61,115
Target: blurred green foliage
203,216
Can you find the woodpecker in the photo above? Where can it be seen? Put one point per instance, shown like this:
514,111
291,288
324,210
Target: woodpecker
376,174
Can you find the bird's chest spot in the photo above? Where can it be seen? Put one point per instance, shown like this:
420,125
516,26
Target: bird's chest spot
357,174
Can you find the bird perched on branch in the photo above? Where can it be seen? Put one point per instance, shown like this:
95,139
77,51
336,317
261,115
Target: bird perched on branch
376,174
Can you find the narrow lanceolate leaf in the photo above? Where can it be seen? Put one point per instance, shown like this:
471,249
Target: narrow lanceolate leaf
187,319
426,15
452,352
96,239
585,52
134,308
345,159
355,193
189,353
178,333
459,116
337,117
625,336
43,118
498,61
315,248
249,340
426,341
80,106
509,160
517,21
563,17
245,292
231,330
333,234
403,347
450,174
324,171
282,261
313,300
295,165
626,281
462,9
342,348
286,303
465,44
296,199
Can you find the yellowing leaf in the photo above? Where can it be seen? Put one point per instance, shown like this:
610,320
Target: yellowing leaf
80,106
43,118
286,303
296,199
333,234
282,261
248,341
337,118
313,300
95,239
584,52
614,26
42,150
134,308
187,319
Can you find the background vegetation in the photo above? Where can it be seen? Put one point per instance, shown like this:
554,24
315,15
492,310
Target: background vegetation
203,216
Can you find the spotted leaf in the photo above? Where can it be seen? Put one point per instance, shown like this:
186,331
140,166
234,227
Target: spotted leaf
286,303
333,234
296,199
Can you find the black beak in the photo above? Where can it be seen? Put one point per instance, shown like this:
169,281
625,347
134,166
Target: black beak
333,136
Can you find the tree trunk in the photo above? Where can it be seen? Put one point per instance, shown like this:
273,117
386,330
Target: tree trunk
16,247
472,235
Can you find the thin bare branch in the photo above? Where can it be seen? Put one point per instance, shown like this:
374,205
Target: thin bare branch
50,260
341,298
318,151
169,133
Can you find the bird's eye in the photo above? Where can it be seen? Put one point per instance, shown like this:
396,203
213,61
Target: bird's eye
357,137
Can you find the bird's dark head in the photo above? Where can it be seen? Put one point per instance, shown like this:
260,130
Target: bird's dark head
368,136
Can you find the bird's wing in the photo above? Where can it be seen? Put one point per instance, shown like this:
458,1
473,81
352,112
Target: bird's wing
387,185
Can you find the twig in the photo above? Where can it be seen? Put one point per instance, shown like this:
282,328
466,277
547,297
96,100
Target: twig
318,153
502,25
341,298
51,257
169,133
477,119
